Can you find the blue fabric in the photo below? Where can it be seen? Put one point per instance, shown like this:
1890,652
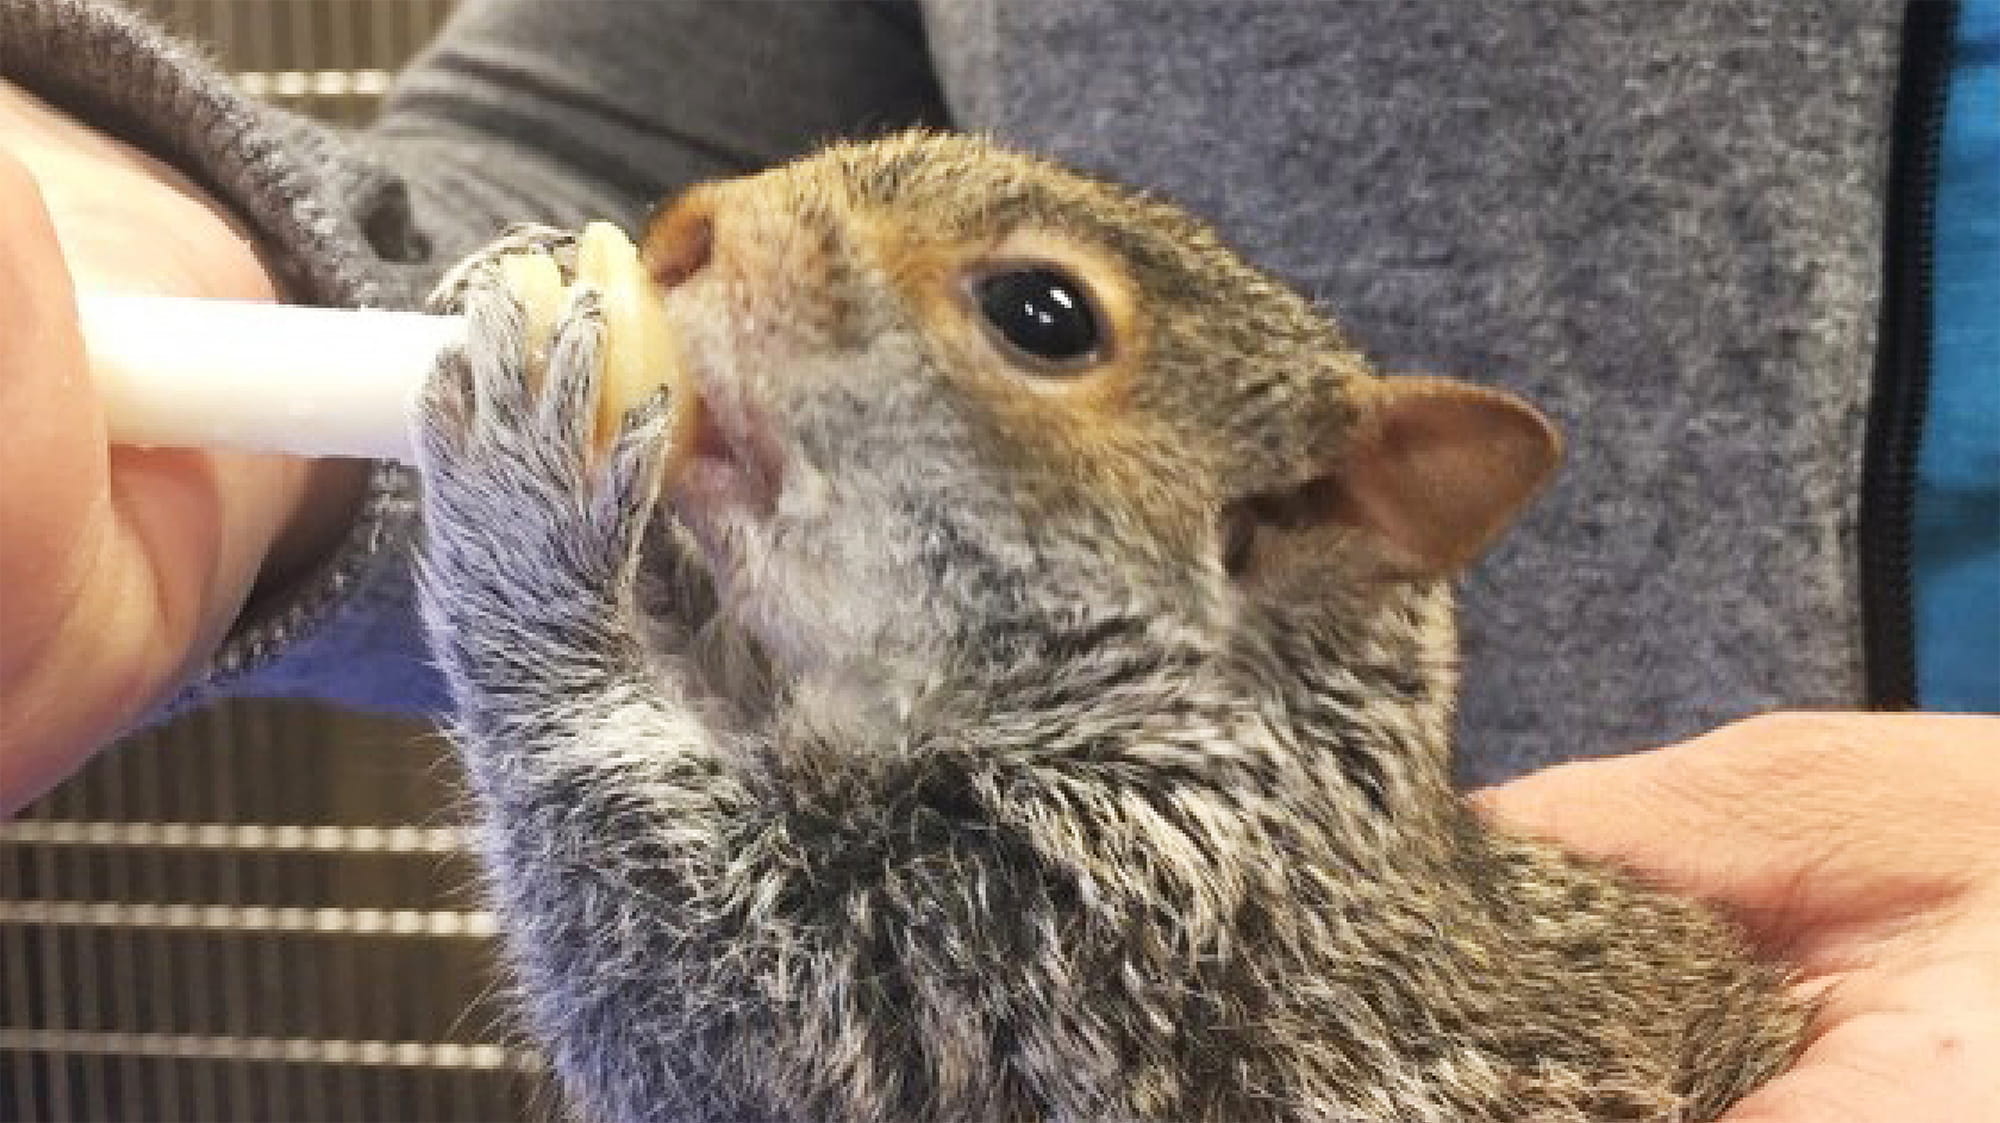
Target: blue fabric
1957,520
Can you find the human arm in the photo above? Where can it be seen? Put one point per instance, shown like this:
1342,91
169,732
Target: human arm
1864,849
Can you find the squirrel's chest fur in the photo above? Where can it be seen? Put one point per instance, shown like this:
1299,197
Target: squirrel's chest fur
1112,914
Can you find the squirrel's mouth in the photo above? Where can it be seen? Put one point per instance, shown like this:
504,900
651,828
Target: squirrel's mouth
734,467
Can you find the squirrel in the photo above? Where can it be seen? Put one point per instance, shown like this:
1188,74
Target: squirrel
1028,696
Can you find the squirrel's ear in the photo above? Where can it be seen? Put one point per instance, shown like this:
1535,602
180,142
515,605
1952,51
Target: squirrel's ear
1431,472
1435,469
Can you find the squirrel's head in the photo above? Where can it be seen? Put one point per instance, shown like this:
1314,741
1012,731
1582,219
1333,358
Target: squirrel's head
950,392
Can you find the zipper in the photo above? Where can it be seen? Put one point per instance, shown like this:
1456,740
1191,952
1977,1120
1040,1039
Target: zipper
1902,358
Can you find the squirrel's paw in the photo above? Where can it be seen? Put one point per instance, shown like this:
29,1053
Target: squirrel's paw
513,480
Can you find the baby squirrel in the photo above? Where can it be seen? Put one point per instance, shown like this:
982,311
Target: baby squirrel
1026,698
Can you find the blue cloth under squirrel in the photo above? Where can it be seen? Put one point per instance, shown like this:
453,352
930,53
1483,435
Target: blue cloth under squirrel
1661,223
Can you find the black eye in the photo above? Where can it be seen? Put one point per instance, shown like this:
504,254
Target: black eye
1041,312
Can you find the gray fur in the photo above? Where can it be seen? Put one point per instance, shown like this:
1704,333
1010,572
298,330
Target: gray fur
1003,799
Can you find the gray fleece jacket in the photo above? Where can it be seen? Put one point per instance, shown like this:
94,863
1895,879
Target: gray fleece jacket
1660,222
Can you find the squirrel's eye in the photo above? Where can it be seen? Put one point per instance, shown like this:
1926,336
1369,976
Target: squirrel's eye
1040,312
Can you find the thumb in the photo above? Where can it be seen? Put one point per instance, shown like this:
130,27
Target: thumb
1794,823
1667,814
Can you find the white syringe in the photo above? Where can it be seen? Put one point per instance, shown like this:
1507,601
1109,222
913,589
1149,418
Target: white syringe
187,373
222,374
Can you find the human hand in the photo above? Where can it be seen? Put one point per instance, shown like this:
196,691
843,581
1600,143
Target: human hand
1864,849
120,568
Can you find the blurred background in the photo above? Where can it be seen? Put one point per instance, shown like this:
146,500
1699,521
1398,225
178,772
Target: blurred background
261,912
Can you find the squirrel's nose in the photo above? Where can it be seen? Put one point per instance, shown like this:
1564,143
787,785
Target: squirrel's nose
680,238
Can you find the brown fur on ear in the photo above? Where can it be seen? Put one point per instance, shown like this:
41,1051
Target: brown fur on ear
1432,471
1435,469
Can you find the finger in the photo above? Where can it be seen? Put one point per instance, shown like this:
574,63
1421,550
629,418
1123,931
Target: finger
568,407
1687,822
497,349
640,449
623,508
445,411
1662,812
1791,821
